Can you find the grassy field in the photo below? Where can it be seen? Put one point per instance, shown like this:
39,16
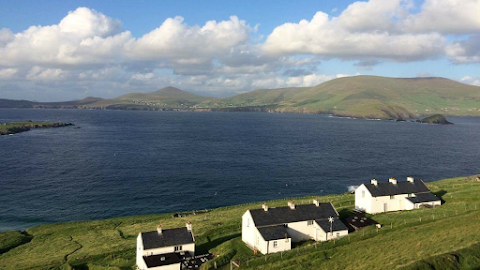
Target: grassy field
418,239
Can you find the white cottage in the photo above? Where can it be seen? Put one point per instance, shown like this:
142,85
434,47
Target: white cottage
394,196
165,249
270,230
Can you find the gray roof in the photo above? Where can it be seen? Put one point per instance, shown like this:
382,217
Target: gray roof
423,197
170,237
282,215
404,187
337,225
273,232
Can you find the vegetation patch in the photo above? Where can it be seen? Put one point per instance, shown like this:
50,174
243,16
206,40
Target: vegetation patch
430,237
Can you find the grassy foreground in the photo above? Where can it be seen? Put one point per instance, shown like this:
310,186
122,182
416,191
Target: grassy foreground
445,237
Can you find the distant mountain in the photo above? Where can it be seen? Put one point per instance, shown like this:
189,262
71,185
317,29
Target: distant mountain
358,96
367,97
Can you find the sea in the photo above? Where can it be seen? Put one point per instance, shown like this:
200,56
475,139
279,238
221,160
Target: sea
124,163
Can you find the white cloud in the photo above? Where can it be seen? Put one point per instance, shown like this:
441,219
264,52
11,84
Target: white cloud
38,73
7,73
465,51
374,15
143,77
324,36
446,16
471,80
84,36
188,44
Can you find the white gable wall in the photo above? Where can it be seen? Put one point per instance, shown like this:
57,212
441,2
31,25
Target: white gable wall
363,199
248,229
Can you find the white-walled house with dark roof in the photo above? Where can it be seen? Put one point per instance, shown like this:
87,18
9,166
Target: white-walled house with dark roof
165,249
269,230
393,196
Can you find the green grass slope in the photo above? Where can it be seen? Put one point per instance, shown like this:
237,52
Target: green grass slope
409,239
371,97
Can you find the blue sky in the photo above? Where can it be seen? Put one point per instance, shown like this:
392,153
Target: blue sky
57,50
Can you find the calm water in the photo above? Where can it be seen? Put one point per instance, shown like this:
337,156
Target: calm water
124,163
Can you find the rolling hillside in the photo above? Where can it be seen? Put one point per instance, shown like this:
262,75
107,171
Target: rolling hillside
369,97
358,96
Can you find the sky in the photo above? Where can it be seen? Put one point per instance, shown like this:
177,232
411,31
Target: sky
65,50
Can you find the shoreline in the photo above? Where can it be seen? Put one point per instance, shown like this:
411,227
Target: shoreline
248,110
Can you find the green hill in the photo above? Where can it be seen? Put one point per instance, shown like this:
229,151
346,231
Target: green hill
437,238
369,97
357,96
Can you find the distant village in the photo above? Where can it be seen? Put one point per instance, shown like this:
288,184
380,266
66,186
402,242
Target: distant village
267,230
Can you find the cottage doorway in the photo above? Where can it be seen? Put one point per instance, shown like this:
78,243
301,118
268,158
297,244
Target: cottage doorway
385,207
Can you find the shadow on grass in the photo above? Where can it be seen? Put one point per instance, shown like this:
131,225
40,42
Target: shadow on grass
204,248
440,194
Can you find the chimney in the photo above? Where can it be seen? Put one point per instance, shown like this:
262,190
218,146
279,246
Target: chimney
291,204
265,207
410,179
159,229
315,201
392,180
374,182
189,226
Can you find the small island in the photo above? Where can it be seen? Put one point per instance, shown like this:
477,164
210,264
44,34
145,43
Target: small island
437,119
17,127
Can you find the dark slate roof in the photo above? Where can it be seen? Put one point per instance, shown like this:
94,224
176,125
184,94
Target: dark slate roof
156,260
273,232
423,197
281,215
404,187
359,221
170,237
337,225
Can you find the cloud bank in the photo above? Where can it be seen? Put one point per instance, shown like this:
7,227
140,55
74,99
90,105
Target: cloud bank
90,53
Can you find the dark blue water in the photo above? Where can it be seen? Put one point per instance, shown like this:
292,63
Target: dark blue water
124,163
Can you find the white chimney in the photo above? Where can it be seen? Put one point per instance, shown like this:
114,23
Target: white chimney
392,180
265,207
315,201
374,182
189,226
291,204
159,229
410,179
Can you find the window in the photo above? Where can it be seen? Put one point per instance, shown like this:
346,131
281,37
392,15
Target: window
309,222
392,197
363,193
275,244
178,248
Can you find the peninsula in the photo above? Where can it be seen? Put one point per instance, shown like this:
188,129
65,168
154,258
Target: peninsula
17,127
434,238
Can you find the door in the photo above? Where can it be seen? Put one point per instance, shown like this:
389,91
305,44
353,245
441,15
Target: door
385,207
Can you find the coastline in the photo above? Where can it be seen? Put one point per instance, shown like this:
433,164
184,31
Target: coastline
112,241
